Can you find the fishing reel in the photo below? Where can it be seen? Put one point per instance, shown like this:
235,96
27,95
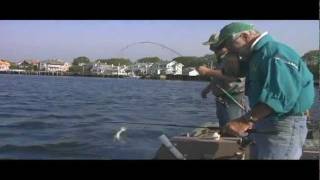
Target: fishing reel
245,142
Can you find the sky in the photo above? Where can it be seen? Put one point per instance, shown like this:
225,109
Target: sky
68,39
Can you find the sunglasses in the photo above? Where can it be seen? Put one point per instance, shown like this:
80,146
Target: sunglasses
214,48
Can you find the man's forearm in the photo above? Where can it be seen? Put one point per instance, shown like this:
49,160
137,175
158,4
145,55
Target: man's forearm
214,73
207,89
261,111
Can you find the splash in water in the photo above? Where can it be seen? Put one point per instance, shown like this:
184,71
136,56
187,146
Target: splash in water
117,136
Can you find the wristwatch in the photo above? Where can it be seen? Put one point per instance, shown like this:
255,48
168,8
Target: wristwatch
250,118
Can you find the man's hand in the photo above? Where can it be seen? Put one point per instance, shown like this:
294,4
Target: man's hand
203,70
237,127
204,93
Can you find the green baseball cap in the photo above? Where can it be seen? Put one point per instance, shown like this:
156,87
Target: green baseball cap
231,30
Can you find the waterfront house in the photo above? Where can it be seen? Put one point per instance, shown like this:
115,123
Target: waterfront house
190,71
173,68
115,70
140,68
106,69
23,64
100,68
157,69
4,65
121,70
28,64
54,65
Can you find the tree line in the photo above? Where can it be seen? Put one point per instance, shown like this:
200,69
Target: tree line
82,63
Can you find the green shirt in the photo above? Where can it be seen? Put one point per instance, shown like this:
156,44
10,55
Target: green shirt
278,77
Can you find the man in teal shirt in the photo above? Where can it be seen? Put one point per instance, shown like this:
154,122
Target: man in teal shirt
280,89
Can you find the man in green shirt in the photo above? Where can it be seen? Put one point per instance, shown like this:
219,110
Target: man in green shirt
280,89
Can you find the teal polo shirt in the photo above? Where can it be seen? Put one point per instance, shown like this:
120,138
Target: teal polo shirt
278,77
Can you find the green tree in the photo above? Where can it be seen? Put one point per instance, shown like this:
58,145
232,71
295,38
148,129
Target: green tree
209,58
33,67
81,59
103,61
80,69
13,65
187,61
75,69
312,59
115,61
149,60
165,61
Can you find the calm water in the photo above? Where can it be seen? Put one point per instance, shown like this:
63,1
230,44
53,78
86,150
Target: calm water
46,117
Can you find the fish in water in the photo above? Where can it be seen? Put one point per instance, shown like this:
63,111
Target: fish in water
118,134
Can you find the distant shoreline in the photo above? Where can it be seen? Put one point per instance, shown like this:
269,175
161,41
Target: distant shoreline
167,77
159,77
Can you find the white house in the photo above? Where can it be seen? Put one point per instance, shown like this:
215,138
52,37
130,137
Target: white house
157,69
140,68
100,68
106,69
120,70
190,71
54,65
172,67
